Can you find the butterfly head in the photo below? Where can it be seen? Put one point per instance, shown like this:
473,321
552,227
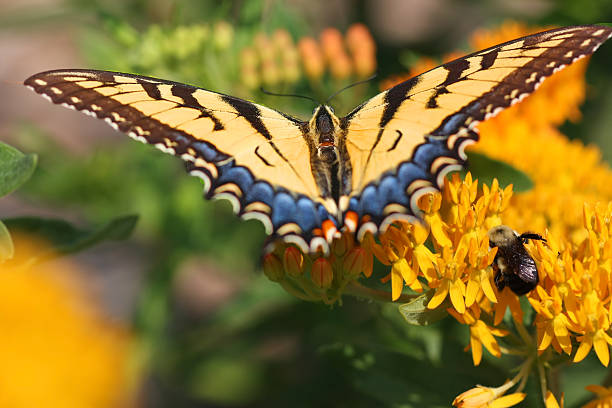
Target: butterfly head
324,127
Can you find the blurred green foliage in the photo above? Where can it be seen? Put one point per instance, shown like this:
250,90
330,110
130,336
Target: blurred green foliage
262,347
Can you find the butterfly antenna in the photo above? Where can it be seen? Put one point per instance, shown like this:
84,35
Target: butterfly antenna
363,81
265,91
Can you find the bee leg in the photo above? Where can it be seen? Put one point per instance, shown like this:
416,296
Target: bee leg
530,235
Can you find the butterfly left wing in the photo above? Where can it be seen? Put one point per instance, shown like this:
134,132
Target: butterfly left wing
403,141
255,157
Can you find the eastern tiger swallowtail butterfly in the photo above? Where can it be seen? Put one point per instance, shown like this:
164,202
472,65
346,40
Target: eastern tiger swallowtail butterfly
306,181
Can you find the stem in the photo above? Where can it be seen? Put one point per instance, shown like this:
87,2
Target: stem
542,376
523,333
293,291
523,374
358,290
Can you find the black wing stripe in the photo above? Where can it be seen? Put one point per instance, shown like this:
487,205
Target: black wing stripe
539,67
489,58
151,89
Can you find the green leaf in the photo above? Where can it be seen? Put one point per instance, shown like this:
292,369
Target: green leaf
416,311
15,168
485,169
65,238
7,249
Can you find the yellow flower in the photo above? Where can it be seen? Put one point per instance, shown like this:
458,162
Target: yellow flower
551,401
451,257
604,397
56,348
486,397
481,334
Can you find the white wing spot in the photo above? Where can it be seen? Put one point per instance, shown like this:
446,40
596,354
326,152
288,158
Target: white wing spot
165,148
263,218
137,138
66,105
74,99
599,32
55,90
203,177
40,82
111,123
95,107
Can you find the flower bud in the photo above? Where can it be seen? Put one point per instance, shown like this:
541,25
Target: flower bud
270,73
291,72
223,35
282,40
293,261
364,63
264,46
354,262
322,273
331,43
250,77
312,58
476,397
248,58
341,245
273,268
340,66
359,39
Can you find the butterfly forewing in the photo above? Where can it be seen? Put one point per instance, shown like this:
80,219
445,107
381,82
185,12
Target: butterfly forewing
416,131
244,152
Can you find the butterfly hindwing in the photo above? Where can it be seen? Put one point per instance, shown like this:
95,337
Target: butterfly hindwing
253,156
403,141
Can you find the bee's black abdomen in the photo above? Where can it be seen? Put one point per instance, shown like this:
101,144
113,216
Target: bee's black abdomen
513,265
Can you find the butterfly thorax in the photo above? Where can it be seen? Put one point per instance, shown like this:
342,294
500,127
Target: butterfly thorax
328,156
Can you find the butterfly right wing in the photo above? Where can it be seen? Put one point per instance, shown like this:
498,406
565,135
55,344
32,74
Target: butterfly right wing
403,141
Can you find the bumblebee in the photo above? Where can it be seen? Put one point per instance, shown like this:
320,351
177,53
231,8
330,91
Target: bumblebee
513,265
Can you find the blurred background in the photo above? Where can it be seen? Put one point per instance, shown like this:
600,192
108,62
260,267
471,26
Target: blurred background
180,313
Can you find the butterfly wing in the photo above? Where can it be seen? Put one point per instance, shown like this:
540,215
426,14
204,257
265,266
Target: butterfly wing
255,157
403,141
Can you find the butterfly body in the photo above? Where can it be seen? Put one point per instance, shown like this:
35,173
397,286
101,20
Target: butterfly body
306,181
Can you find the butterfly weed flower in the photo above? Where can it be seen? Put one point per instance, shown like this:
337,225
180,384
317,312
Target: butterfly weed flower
486,397
54,337
604,397
222,35
312,58
362,48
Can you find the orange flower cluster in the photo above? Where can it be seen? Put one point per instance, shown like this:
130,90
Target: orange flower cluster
276,59
353,55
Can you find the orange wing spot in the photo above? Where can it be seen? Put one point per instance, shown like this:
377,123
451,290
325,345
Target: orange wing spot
351,219
365,219
329,229
317,232
326,144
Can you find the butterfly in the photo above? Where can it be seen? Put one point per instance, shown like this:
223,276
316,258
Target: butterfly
307,181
